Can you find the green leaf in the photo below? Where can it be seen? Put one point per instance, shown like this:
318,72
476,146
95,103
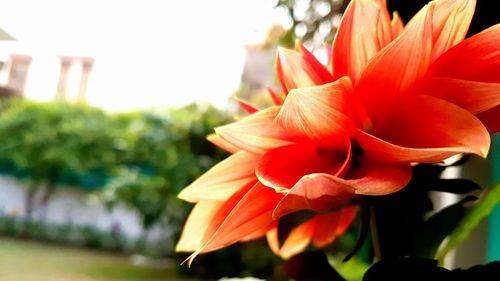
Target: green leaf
480,211
437,227
352,270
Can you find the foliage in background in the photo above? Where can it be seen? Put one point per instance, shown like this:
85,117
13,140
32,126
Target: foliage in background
143,159
51,143
48,144
169,151
139,159
314,21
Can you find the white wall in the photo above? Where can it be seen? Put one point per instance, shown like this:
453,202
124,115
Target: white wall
68,205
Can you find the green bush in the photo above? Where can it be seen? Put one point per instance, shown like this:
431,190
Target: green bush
56,143
169,150
140,159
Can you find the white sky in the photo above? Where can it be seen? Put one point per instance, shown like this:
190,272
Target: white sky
148,53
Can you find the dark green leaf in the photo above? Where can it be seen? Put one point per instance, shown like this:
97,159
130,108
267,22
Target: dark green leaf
436,228
477,213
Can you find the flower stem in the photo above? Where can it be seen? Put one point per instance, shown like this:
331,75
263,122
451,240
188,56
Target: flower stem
377,249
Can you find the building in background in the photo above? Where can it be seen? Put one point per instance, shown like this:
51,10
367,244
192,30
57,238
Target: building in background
62,78
59,77
5,91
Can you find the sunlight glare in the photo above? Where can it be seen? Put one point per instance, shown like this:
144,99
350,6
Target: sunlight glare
147,53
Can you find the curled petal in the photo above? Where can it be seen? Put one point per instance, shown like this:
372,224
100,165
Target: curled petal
365,29
318,192
282,167
373,178
318,112
473,96
476,58
450,22
196,225
300,69
321,192
224,179
425,129
244,213
256,133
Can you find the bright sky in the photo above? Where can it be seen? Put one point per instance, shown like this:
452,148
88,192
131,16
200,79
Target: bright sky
148,53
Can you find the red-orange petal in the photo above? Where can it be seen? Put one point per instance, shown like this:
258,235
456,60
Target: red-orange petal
348,215
373,178
473,96
491,119
259,233
318,192
450,22
277,98
249,108
364,30
282,167
196,225
314,63
476,58
320,112
326,230
256,133
322,229
300,69
224,179
220,216
397,25
422,128
298,239
397,66
329,226
321,192
246,212
272,238
222,143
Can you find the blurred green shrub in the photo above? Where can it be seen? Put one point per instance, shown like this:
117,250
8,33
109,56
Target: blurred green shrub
167,150
48,144
140,159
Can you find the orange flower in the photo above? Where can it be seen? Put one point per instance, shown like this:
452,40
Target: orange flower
394,97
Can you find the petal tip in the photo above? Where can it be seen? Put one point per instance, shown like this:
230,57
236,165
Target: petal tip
184,195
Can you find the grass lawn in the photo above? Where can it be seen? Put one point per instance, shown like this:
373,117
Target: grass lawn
32,261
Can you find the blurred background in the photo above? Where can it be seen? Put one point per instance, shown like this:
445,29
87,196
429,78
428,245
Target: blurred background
104,109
